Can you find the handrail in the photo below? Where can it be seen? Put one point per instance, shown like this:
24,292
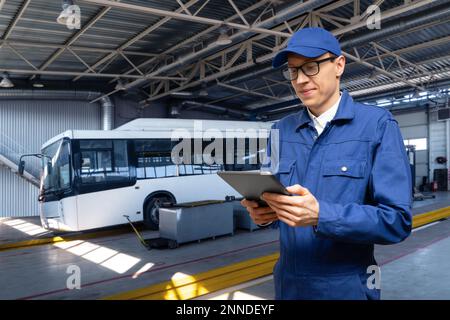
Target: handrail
12,151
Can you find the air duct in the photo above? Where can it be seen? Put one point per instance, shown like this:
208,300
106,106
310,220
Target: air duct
434,14
215,109
107,113
21,94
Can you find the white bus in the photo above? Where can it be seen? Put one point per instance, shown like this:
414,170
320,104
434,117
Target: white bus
91,179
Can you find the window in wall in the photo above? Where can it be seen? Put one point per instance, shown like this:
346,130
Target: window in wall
420,144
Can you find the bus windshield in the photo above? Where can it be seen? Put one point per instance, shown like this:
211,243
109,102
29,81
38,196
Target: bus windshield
56,168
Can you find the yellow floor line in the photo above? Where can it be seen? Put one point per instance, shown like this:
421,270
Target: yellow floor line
432,216
50,240
192,286
188,287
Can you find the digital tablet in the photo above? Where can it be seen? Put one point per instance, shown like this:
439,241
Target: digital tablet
251,184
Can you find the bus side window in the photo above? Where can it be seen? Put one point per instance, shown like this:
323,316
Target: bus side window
95,164
64,165
154,159
104,161
185,169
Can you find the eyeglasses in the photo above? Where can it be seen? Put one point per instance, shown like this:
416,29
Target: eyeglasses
310,68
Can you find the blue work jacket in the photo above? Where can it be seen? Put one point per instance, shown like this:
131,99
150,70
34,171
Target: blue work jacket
359,172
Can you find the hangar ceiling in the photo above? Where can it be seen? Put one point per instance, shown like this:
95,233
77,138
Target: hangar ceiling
164,51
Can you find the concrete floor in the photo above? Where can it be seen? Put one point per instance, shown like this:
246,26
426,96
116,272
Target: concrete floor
21,229
414,268
13,230
113,265
441,200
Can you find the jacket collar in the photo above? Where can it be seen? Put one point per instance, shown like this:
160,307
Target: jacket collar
346,111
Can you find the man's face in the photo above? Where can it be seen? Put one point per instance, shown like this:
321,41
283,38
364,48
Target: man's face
318,90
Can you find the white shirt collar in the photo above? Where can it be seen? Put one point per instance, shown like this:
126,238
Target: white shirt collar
327,116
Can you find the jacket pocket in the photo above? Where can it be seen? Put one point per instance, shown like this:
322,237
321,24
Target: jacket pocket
345,168
343,181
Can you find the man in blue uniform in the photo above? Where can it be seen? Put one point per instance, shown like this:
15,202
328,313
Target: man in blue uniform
346,167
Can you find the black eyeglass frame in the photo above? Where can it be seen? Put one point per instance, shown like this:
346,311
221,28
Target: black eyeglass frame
318,62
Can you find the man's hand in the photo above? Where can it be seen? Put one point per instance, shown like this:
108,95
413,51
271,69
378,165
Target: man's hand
295,211
259,215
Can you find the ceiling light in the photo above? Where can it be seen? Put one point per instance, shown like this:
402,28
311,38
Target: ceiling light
223,39
181,94
37,83
6,83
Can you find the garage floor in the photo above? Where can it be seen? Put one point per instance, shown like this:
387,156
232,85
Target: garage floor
115,264
414,268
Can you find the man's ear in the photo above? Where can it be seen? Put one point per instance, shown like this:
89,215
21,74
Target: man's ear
340,65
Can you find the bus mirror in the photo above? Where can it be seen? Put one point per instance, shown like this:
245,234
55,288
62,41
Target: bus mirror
21,167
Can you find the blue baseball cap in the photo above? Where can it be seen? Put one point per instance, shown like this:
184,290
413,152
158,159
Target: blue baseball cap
310,43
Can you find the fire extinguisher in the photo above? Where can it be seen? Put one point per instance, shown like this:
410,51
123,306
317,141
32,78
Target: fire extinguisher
435,186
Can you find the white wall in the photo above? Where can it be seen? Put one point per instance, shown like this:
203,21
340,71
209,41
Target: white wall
439,143
414,126
29,124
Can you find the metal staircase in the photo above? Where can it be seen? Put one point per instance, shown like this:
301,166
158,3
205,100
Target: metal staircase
10,152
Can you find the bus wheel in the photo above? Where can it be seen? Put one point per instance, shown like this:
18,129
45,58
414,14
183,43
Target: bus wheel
151,215
173,244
